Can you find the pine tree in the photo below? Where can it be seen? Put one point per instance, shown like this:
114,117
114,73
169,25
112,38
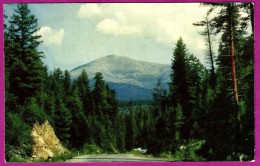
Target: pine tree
196,74
23,59
131,130
111,100
232,62
67,83
100,95
179,86
57,85
228,21
85,92
120,132
79,125
159,96
24,81
63,121
209,40
83,84
18,140
245,70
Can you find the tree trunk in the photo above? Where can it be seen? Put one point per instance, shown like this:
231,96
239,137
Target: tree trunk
211,55
232,52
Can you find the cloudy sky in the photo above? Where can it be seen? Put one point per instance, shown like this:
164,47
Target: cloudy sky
75,34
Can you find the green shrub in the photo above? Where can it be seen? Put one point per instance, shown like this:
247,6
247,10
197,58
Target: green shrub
62,158
18,138
16,158
167,156
188,152
32,113
91,149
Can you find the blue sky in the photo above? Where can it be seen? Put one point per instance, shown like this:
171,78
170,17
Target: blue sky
75,34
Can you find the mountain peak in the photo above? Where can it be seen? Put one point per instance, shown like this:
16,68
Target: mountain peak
115,57
105,59
124,70
112,56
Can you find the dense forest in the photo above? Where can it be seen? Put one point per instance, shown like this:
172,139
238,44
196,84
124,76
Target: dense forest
207,113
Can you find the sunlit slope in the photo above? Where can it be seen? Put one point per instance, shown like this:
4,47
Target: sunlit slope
130,78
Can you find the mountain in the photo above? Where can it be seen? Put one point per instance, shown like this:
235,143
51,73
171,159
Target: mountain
132,79
127,92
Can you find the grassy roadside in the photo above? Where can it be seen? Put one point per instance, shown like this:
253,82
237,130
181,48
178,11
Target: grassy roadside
149,156
186,152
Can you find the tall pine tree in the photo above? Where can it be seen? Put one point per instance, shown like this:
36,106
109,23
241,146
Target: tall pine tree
179,86
23,60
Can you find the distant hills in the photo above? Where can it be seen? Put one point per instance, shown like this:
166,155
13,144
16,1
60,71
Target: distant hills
132,79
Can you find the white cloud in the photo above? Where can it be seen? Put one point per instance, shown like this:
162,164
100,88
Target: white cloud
110,26
51,36
89,10
163,22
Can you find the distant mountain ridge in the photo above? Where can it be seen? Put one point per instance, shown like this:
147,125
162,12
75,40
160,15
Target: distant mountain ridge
132,79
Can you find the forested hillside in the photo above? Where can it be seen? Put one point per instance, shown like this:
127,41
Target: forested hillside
207,113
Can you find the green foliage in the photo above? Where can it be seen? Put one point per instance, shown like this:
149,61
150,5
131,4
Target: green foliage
85,93
23,57
195,120
15,158
167,155
58,158
180,85
25,75
18,138
78,125
63,157
91,149
33,113
190,152
83,84
63,122
67,82
185,152
33,94
120,133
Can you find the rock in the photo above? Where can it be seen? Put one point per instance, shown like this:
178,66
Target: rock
45,143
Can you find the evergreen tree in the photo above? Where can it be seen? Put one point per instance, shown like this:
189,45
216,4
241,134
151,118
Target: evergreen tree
120,131
18,140
67,83
85,92
197,74
111,100
23,60
209,51
178,119
233,40
100,95
63,122
83,84
131,130
57,83
159,96
194,110
179,86
79,127
245,68
228,21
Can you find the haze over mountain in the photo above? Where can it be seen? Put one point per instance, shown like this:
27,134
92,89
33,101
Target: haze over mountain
132,79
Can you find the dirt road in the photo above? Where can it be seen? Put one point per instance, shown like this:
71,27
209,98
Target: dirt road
112,158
